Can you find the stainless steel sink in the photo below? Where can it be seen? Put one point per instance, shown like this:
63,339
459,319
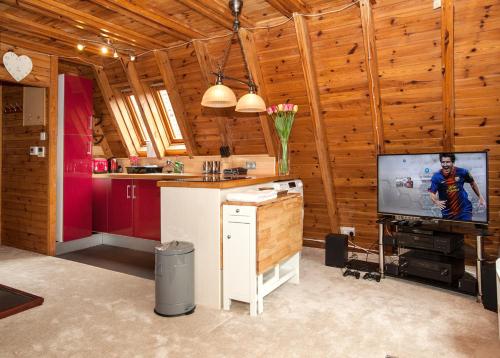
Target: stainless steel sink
145,169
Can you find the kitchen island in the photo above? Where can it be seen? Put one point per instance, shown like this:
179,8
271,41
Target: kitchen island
191,211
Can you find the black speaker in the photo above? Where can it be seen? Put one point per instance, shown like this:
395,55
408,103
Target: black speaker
489,285
336,250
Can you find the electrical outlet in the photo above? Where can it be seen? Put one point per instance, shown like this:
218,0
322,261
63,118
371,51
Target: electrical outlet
251,165
33,150
346,230
436,4
41,152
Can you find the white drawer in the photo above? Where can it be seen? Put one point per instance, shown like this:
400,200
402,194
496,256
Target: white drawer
240,210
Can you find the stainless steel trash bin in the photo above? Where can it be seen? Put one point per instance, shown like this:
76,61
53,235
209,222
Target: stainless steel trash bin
174,277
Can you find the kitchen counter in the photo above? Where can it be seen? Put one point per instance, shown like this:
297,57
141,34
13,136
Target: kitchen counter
152,176
191,211
222,183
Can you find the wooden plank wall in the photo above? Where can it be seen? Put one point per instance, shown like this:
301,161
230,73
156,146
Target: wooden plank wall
477,91
408,40
24,180
28,183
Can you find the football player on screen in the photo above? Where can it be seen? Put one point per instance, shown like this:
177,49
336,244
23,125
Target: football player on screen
447,190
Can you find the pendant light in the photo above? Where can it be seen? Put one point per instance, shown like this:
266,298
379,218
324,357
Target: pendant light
221,96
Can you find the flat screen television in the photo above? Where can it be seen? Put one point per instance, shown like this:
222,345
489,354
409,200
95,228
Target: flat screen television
447,186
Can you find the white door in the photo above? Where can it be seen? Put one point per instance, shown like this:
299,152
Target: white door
236,255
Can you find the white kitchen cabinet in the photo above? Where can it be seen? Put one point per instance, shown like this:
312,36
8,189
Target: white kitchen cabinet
261,250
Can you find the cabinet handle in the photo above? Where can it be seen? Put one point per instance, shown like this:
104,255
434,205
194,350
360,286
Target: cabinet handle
133,192
128,193
90,148
90,122
228,237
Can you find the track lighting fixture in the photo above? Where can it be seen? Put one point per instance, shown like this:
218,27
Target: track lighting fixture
80,47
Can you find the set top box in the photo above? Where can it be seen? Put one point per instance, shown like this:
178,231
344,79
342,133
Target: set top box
443,242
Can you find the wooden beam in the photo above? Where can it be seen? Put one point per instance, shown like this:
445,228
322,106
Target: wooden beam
288,7
104,142
371,62
168,25
32,28
168,77
305,49
216,12
248,44
206,67
68,55
114,111
51,129
87,20
146,112
448,73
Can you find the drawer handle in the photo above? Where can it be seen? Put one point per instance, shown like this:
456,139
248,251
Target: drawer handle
237,210
228,237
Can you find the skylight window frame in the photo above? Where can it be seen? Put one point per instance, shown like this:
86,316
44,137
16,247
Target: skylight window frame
166,118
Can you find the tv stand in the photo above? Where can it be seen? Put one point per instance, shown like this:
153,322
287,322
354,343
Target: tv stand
479,231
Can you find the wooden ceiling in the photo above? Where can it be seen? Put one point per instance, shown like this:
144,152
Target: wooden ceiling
55,27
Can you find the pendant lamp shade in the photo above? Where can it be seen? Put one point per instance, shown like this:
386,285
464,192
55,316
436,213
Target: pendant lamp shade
250,103
219,96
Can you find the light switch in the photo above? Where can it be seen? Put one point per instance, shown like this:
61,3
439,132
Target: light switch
43,135
436,4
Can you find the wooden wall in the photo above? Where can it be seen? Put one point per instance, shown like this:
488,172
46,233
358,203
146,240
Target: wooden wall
410,74
409,51
24,180
28,194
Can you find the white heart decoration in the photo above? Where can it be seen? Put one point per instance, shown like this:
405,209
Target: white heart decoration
18,66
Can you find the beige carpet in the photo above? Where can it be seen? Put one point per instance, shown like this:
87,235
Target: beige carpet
92,312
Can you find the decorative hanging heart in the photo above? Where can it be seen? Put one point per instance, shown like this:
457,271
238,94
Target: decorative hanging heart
18,66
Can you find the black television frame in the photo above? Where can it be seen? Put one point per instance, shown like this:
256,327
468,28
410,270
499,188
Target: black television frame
433,217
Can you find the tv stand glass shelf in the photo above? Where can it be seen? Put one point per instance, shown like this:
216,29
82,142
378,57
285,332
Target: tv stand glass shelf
429,226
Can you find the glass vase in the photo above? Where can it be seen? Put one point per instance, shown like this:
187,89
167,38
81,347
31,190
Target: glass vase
284,159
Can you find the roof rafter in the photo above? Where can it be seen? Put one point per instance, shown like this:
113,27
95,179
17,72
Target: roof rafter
168,77
32,28
149,18
215,12
288,7
68,55
88,20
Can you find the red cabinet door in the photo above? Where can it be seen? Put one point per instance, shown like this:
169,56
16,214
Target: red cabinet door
120,203
100,194
77,187
77,105
146,209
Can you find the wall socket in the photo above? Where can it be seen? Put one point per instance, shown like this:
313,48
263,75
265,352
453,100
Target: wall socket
251,165
346,230
37,151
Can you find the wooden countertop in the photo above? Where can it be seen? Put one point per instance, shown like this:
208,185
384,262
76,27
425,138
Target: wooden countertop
153,176
253,180
263,203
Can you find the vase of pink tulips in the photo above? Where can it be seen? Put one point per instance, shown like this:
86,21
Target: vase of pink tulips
283,116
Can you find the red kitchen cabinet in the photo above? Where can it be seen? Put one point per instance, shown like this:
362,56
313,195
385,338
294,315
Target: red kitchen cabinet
127,207
77,105
146,198
120,216
100,194
74,219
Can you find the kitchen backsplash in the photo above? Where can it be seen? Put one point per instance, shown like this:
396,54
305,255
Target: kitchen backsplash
264,164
